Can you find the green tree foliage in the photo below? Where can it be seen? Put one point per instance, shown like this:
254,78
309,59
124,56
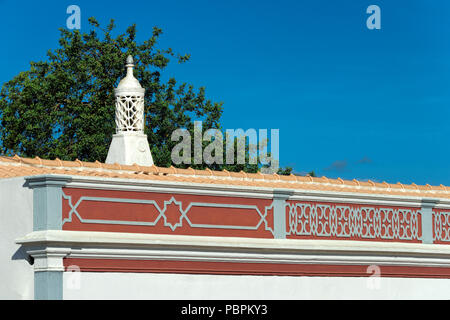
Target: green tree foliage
64,107
285,171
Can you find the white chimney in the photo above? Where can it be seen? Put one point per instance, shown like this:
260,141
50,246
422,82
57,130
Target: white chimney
129,145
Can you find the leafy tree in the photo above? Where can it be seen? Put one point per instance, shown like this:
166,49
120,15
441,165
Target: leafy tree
312,174
64,107
285,171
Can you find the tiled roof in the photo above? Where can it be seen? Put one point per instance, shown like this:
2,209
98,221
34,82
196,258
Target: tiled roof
20,167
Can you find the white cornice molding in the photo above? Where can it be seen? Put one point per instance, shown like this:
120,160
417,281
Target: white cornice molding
56,245
218,189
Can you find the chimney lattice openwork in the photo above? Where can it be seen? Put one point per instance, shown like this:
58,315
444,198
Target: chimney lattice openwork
129,103
129,113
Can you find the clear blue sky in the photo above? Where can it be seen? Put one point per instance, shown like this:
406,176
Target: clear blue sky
349,102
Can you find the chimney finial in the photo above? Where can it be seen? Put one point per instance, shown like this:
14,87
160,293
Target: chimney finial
130,67
130,60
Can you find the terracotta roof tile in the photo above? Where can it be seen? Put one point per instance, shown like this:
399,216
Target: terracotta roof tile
235,175
223,173
188,171
253,175
290,177
200,172
18,167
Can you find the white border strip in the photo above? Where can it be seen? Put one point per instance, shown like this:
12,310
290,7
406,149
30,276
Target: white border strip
217,189
129,246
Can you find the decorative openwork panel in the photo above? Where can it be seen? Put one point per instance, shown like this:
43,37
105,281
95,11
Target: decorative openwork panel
441,226
355,222
130,113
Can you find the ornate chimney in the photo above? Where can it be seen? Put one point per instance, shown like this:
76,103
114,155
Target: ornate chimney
130,145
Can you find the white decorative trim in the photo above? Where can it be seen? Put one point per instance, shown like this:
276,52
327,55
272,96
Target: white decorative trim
162,213
217,189
356,198
105,245
139,185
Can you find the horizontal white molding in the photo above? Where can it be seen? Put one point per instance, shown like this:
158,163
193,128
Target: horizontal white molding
219,188
105,245
358,199
139,185
443,205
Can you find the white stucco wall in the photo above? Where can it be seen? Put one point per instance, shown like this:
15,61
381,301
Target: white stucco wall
16,221
87,285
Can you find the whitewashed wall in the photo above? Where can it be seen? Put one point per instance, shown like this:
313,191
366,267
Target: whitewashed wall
16,221
88,285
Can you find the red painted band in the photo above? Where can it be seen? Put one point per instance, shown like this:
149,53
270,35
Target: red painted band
267,269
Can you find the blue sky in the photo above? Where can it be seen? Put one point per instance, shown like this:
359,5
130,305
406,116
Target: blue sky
349,102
